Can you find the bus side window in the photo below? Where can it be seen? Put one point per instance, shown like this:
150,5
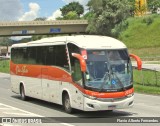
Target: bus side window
76,72
41,55
50,56
61,57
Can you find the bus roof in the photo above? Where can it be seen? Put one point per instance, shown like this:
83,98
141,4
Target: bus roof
82,41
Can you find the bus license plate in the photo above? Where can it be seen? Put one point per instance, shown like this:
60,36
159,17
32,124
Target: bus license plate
111,107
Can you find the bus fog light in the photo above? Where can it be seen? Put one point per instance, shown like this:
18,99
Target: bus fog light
90,105
130,103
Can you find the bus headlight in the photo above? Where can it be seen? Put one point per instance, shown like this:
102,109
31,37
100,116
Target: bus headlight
90,97
130,95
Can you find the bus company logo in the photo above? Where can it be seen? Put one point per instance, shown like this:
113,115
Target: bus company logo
21,70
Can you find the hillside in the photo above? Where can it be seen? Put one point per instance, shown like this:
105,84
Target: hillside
142,36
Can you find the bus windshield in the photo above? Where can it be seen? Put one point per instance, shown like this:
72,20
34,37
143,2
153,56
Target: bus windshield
108,70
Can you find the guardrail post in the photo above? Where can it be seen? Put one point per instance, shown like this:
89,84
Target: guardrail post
156,77
142,77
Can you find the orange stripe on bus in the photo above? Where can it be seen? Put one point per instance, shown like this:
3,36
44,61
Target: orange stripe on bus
57,74
40,71
105,95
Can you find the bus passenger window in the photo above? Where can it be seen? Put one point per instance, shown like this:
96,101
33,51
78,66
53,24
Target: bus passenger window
61,57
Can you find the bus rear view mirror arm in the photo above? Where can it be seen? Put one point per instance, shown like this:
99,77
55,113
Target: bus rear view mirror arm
81,60
138,59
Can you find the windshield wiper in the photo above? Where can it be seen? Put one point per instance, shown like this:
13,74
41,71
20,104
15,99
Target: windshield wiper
106,76
118,80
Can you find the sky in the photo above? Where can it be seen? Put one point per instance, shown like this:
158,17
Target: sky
28,10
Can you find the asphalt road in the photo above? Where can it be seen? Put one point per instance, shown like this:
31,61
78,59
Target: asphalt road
155,67
12,106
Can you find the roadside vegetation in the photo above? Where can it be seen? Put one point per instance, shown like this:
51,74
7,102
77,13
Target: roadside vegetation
146,89
4,66
147,81
142,36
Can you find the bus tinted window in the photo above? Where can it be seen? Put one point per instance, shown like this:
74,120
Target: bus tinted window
61,56
50,56
42,55
30,55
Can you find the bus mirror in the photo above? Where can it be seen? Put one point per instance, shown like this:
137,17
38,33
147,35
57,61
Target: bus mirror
139,61
81,60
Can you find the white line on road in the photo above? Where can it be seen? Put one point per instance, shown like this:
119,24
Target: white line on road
14,108
24,113
66,124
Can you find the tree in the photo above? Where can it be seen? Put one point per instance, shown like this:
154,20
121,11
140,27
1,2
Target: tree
72,15
40,19
6,41
153,5
107,14
88,16
72,7
132,7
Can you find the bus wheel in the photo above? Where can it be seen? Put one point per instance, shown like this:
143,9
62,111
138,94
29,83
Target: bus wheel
22,93
67,104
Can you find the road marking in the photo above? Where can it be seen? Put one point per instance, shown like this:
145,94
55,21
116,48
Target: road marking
23,111
66,124
26,113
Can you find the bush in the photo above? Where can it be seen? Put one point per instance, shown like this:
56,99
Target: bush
148,20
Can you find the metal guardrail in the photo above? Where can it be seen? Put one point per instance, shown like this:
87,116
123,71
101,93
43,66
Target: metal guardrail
4,58
147,77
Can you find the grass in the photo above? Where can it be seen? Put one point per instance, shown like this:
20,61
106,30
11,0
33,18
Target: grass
147,78
145,82
146,89
140,34
147,54
4,66
142,38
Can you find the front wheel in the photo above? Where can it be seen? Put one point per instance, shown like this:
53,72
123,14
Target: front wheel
67,104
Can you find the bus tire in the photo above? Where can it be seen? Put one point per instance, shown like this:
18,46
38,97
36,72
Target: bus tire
67,103
22,93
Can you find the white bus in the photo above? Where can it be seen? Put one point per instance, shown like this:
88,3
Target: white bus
84,72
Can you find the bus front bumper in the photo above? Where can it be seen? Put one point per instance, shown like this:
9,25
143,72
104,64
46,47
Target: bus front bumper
107,104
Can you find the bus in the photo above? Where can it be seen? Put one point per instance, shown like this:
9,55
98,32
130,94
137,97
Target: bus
85,72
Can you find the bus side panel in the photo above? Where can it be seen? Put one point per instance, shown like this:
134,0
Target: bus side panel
76,97
15,83
29,76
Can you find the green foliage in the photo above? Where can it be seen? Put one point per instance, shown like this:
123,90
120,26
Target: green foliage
153,5
5,41
119,28
4,66
72,15
147,78
40,19
38,37
107,14
132,7
146,89
141,35
147,20
88,16
73,7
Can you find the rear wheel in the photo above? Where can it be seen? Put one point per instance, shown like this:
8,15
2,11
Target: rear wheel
22,93
67,104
